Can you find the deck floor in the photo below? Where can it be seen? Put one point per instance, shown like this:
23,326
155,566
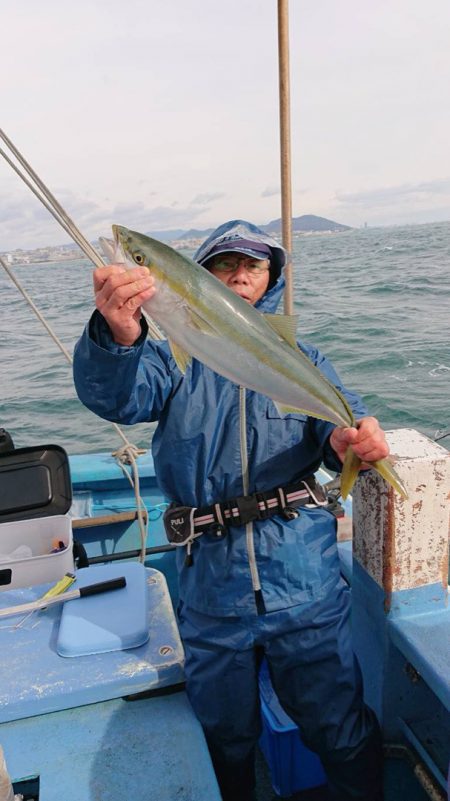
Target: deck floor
399,782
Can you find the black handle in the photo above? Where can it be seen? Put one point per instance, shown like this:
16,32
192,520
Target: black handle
103,586
5,576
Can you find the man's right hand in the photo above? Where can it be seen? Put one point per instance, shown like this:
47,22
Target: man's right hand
119,295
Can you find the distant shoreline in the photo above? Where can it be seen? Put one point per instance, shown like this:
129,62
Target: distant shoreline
57,253
61,253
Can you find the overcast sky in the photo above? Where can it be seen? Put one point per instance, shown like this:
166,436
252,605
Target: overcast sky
159,114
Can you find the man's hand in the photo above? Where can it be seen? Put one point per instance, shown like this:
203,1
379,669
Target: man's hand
119,294
367,440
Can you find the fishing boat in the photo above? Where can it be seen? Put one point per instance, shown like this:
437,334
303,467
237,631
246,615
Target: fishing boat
82,725
92,697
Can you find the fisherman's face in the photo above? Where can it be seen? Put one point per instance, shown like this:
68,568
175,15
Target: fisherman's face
246,277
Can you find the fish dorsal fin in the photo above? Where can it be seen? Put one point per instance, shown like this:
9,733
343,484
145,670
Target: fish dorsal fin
182,358
285,325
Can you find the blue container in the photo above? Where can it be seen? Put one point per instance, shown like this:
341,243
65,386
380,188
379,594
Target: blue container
293,767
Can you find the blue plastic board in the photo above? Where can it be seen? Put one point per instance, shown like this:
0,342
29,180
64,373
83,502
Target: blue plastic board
111,621
35,680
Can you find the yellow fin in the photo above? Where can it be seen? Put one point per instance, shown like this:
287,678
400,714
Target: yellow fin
386,471
350,470
182,358
285,325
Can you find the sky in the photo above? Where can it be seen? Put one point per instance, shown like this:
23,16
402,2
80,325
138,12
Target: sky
162,114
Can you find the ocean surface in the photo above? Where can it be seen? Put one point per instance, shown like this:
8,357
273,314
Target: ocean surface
376,301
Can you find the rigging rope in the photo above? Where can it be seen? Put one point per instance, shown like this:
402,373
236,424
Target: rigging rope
129,452
127,455
42,192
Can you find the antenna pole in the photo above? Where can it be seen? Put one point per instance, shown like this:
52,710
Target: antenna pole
285,147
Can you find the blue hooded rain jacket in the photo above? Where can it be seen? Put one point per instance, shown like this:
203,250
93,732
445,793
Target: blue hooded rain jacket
210,431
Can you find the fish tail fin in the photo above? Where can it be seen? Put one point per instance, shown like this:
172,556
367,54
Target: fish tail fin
387,471
350,470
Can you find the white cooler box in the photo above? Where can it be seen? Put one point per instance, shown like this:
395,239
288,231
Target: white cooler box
36,543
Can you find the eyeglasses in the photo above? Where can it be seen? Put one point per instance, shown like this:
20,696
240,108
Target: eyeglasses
230,264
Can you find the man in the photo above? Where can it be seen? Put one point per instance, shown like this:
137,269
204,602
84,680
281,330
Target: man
270,584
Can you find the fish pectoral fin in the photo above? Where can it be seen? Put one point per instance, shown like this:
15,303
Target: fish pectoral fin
202,325
285,325
182,358
350,470
289,409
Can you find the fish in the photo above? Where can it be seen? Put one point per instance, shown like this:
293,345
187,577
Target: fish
204,319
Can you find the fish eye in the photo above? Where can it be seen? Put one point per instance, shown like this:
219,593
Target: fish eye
139,258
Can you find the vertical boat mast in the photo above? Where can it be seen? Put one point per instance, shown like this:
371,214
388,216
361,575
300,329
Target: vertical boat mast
285,146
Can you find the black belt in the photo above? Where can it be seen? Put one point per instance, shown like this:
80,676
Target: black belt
183,524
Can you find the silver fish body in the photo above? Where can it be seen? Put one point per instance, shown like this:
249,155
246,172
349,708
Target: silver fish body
220,329
204,319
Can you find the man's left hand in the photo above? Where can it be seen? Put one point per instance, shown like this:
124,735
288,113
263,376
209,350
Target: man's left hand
367,440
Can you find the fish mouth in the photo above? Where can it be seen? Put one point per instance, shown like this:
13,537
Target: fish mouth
115,250
118,234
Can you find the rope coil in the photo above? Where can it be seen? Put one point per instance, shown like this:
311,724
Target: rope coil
126,455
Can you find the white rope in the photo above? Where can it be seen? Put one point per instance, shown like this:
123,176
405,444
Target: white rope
52,205
128,452
49,329
127,455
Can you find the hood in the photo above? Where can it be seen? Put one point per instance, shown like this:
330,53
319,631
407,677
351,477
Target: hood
240,229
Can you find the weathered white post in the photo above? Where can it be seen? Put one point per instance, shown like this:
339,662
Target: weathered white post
401,616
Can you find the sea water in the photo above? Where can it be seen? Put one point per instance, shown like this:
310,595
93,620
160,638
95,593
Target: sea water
376,301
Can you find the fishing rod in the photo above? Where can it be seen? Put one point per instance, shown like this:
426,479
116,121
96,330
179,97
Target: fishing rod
41,191
43,194
129,451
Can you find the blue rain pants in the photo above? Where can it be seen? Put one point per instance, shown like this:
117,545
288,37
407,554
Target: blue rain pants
317,680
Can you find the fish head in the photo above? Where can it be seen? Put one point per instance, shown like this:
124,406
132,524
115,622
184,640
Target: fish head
171,268
142,251
128,245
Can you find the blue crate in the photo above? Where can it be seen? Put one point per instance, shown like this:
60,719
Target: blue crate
293,767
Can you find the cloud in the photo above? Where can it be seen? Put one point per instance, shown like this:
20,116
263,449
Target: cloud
27,224
270,191
206,197
389,195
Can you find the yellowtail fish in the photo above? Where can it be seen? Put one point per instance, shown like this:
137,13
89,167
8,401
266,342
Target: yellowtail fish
204,319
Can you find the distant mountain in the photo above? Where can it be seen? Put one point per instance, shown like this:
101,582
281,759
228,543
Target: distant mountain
303,224
167,236
194,233
306,222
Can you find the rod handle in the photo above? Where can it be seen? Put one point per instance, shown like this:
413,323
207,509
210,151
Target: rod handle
103,586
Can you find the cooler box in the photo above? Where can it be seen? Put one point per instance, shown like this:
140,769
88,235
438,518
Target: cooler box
293,767
36,543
